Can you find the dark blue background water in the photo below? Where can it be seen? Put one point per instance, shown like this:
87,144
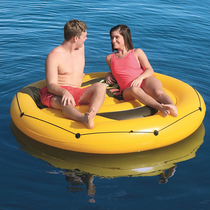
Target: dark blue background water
175,37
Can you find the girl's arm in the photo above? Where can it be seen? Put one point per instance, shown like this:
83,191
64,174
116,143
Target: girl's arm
143,61
109,76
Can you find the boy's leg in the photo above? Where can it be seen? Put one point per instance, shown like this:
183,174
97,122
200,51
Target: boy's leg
71,112
94,95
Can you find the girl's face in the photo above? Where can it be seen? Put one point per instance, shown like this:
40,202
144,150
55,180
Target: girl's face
117,40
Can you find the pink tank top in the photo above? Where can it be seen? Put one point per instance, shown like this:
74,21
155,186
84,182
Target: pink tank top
125,70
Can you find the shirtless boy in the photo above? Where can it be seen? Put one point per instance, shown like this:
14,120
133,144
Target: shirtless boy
64,69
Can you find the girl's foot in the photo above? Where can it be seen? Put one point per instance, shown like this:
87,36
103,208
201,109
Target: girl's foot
172,108
165,112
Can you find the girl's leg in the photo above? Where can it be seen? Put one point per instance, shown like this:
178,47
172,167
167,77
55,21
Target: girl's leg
153,87
132,93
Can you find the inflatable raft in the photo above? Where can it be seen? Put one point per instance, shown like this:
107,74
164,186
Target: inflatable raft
120,127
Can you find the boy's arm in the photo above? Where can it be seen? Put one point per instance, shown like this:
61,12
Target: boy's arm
51,74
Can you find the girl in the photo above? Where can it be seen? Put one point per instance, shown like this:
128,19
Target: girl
134,74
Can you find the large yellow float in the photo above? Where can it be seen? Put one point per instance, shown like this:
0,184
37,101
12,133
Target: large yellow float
120,127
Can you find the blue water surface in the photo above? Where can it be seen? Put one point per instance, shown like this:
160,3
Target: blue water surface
175,37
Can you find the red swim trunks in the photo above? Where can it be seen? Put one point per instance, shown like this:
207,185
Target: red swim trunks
75,92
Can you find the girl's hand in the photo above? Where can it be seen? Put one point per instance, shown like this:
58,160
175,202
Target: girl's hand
110,80
137,82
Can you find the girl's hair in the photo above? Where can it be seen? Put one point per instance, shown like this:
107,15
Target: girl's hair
74,28
126,33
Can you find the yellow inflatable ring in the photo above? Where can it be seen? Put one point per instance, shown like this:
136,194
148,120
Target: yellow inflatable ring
120,127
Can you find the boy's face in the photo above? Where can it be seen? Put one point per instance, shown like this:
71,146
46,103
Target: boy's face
81,39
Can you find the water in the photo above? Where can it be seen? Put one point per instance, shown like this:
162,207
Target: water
175,37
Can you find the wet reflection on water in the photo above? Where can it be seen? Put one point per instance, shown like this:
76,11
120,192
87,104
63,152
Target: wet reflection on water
81,168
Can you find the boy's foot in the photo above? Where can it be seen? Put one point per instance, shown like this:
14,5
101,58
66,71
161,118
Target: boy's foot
88,119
